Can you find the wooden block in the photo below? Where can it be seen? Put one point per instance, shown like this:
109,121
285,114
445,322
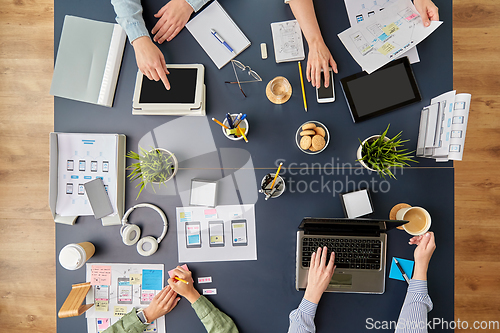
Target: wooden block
72,306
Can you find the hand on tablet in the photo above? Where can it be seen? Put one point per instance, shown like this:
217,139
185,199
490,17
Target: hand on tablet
427,10
150,60
172,18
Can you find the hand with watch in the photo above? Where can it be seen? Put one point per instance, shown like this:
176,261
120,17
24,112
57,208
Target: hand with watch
162,303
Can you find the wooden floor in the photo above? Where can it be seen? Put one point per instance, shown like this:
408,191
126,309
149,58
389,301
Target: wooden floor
27,253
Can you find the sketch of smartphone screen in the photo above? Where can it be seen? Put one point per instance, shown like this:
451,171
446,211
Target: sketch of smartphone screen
216,233
105,166
81,165
193,234
239,232
70,165
124,291
101,293
147,296
69,188
93,166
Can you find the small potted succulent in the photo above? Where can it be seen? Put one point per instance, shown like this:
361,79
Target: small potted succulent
156,166
379,153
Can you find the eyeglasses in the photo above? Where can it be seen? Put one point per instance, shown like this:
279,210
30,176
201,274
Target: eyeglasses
252,73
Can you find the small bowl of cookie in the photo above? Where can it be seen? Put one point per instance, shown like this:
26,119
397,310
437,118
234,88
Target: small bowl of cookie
312,137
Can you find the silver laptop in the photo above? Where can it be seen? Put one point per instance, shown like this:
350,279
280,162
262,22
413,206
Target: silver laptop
360,252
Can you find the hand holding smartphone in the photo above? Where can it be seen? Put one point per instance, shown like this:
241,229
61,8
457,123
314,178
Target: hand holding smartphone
325,95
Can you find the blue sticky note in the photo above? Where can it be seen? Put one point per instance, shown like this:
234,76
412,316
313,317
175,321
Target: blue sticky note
407,267
152,279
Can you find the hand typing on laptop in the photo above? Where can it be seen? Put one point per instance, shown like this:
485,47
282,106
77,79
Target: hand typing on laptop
320,274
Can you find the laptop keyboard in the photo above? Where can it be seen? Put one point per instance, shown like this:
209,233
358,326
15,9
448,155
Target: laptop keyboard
350,253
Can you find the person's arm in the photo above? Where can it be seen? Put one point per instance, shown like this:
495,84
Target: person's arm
319,276
149,58
427,10
413,315
162,303
173,17
214,320
319,56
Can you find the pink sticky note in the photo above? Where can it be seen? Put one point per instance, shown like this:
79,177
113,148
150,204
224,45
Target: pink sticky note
102,323
210,213
171,272
100,275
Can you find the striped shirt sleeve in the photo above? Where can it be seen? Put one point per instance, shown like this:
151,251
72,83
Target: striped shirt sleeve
302,318
413,316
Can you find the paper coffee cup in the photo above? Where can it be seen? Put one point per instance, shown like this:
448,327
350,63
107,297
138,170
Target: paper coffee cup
74,256
419,220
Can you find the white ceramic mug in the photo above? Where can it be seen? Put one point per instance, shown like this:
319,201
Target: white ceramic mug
415,215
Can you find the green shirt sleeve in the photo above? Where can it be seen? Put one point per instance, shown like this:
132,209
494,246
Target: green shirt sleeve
212,318
129,323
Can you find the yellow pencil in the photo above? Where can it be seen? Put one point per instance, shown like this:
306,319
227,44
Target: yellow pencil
179,279
276,176
302,84
218,122
242,132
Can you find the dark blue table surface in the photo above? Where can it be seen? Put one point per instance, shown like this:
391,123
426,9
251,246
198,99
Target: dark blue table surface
259,295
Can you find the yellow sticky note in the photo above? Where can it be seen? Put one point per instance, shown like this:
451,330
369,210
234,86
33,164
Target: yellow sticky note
120,311
216,239
101,306
135,278
390,29
183,215
386,48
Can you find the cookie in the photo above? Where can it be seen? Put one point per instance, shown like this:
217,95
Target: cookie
312,149
318,142
320,131
308,126
307,132
305,142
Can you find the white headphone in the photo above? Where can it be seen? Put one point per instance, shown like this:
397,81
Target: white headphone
131,233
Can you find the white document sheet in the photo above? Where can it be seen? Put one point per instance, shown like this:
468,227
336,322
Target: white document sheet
201,237
383,37
82,158
359,10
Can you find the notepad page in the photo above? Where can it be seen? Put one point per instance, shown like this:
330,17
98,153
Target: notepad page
215,17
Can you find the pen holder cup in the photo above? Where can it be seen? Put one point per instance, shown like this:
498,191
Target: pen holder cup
267,189
235,137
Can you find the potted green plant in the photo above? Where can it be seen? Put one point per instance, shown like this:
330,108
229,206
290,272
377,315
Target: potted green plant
156,166
379,153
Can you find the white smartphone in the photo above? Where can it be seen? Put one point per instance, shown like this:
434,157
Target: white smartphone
325,95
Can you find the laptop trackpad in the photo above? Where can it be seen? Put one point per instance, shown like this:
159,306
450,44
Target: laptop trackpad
341,281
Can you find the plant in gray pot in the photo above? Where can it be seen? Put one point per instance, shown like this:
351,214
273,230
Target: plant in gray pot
379,153
156,167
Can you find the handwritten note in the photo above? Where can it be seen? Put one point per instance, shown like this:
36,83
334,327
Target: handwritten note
120,311
103,323
152,279
101,306
101,275
135,278
210,213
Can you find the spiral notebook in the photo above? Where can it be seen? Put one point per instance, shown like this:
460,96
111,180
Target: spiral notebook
214,17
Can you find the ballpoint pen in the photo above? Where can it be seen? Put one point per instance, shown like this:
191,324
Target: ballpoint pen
219,38
229,120
237,120
241,119
402,271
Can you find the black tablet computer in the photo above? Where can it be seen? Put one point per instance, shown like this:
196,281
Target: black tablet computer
387,89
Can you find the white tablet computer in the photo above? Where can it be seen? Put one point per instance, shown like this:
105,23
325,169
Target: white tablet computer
185,97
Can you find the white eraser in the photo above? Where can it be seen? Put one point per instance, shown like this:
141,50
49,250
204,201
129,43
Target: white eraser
209,291
263,50
207,279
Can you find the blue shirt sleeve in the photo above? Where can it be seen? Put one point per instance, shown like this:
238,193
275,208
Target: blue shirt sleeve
413,316
197,4
129,16
302,318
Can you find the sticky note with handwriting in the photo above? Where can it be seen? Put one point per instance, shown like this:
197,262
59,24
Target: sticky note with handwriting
135,278
152,279
171,272
100,275
120,311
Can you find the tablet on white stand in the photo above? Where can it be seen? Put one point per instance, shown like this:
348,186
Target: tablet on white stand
186,96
